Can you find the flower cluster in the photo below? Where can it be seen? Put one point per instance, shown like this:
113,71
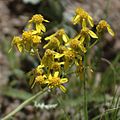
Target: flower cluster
32,37
61,52
83,18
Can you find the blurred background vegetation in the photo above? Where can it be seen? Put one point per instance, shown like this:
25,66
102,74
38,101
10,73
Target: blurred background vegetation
103,83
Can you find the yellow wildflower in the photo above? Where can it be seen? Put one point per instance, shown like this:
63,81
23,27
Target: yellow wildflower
55,81
48,58
38,20
52,44
86,33
56,66
77,45
69,56
27,35
103,25
62,48
41,79
18,42
39,70
30,40
83,18
60,35
36,39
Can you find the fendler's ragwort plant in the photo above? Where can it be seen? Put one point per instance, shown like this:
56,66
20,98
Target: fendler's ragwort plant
61,52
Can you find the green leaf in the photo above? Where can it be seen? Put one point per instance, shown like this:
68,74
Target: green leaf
15,93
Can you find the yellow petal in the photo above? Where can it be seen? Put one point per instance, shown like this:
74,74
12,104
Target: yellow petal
62,88
76,63
90,20
30,21
38,28
63,80
61,63
65,38
16,40
82,48
77,37
58,55
43,28
92,34
34,32
50,76
82,39
110,30
45,46
20,47
56,74
76,19
49,37
46,21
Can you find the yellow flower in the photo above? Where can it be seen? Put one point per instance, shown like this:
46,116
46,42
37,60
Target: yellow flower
69,56
41,79
36,39
83,18
55,81
27,42
60,35
39,70
86,33
48,58
56,66
30,40
77,45
103,25
52,44
38,20
27,35
18,42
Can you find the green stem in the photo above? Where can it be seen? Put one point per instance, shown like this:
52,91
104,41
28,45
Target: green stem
71,72
24,104
93,44
37,54
85,95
